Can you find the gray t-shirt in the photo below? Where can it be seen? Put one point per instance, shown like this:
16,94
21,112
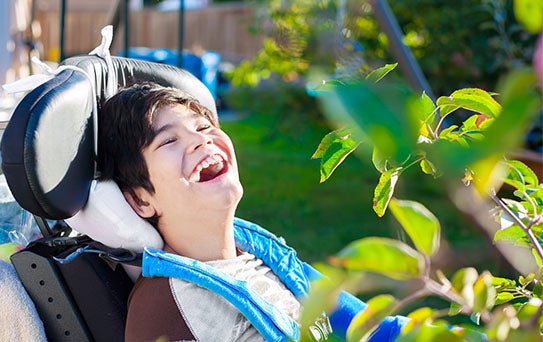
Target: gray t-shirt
180,310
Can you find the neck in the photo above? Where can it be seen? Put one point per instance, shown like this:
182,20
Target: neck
203,238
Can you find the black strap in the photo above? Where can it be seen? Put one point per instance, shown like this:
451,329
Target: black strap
84,245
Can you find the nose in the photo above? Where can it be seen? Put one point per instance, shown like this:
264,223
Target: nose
201,140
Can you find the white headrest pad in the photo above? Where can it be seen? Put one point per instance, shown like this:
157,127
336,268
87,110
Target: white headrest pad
108,218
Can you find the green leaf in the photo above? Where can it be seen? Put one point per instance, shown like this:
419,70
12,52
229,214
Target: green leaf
537,258
330,138
520,175
423,110
378,74
427,107
470,123
472,127
323,294
454,309
379,111
521,104
333,149
523,335
536,194
488,172
530,14
384,190
473,99
389,257
500,282
441,332
484,293
498,329
7,249
463,281
447,131
428,168
537,290
379,160
456,137
529,309
516,206
513,234
420,316
365,322
325,87
419,223
504,297
526,280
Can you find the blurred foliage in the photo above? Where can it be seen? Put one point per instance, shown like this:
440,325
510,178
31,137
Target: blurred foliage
465,43
155,2
404,130
283,102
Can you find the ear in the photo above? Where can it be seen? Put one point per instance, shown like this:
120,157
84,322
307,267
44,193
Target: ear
142,207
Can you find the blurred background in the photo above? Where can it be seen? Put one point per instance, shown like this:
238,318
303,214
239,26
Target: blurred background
260,58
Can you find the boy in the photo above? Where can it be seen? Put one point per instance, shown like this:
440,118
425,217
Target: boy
218,278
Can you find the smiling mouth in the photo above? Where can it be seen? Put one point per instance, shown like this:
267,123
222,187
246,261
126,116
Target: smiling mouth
208,169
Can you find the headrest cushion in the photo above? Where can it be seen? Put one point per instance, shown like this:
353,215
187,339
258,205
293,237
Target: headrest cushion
47,147
108,218
129,71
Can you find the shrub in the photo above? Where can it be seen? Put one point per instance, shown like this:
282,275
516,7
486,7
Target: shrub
405,130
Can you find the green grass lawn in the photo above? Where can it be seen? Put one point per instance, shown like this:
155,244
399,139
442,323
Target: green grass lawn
282,193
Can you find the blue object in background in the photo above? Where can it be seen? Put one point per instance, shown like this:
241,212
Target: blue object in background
210,70
204,67
16,224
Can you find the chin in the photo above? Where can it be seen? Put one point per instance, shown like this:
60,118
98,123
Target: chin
227,199
235,197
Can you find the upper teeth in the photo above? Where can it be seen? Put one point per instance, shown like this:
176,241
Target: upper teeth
211,160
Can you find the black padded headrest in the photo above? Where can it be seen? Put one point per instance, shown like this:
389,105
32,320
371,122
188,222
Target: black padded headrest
48,145
130,71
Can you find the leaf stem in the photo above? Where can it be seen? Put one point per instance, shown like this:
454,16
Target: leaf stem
417,160
518,221
441,121
421,293
441,290
444,291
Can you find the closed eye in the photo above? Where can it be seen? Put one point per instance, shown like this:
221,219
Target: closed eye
203,127
167,141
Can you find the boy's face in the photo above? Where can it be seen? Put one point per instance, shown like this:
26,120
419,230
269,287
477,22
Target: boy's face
191,164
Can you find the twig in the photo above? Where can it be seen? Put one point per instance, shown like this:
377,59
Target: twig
518,221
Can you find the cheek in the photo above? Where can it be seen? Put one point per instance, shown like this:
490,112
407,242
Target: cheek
226,145
163,171
170,189
165,176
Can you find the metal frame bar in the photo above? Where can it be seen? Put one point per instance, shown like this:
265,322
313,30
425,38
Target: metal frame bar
62,27
126,39
180,36
411,69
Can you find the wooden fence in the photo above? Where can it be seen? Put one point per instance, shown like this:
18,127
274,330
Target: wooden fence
222,28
